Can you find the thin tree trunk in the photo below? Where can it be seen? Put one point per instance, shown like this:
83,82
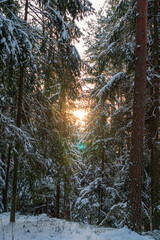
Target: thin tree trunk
135,166
57,200
68,211
15,170
63,131
102,160
26,11
66,202
155,173
100,202
19,117
3,158
7,179
103,122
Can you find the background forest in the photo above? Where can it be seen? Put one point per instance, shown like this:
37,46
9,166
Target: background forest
49,163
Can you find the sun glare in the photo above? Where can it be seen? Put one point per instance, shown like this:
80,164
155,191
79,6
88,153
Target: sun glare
80,114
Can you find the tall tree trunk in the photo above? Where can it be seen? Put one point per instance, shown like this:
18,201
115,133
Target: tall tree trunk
155,173
135,166
102,161
15,170
7,179
63,132
19,116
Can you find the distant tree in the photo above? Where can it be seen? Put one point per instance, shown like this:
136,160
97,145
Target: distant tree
109,126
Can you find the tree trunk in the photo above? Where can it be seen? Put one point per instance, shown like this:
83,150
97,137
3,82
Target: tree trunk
66,201
135,166
7,179
3,161
102,150
57,200
102,160
26,11
15,170
3,158
68,210
63,132
19,116
155,173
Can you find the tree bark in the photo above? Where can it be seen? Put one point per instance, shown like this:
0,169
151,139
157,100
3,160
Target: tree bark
135,166
102,150
57,199
26,11
102,161
19,117
3,161
15,170
7,179
154,124
3,158
66,201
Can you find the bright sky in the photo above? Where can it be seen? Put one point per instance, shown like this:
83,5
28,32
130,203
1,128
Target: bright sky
97,4
81,115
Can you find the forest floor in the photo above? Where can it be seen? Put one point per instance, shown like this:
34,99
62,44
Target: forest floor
44,228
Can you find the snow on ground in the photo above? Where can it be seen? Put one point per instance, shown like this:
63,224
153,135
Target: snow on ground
44,228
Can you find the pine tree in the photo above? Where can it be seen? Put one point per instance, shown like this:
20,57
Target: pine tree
154,123
135,166
54,37
115,92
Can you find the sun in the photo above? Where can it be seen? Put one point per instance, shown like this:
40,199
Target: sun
80,114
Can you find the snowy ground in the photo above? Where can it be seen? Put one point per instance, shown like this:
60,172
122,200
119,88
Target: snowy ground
44,228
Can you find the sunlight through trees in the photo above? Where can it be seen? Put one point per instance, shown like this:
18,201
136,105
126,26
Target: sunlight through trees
79,138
